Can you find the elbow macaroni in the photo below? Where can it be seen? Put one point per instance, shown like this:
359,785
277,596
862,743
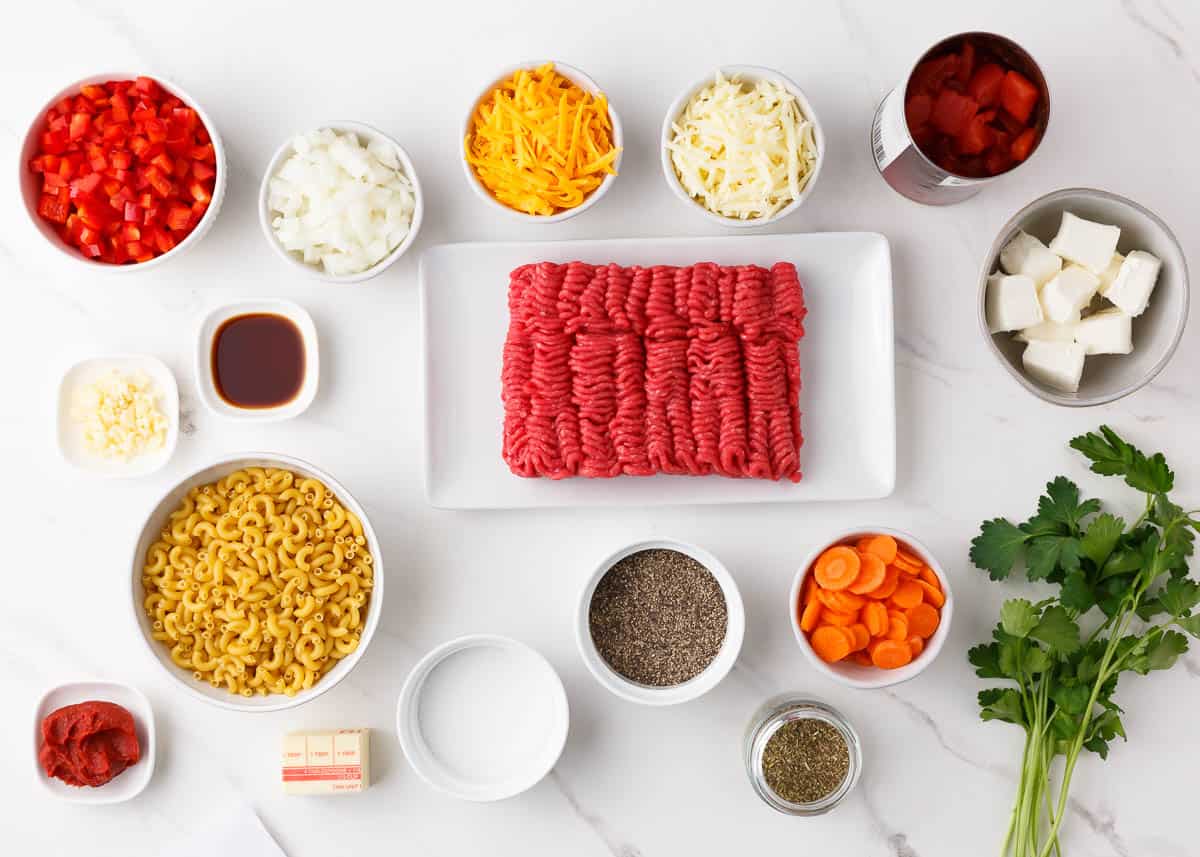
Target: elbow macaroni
259,582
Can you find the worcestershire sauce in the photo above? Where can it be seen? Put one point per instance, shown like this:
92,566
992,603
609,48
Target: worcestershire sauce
258,360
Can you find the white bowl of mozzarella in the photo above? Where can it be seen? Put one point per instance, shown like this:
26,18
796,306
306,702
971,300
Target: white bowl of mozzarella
341,202
1084,296
723,104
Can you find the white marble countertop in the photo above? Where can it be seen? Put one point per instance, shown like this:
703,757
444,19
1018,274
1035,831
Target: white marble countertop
632,780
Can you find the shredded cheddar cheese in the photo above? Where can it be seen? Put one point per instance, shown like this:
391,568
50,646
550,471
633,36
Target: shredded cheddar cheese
539,143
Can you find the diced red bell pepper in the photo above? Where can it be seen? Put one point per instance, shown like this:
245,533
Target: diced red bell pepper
120,107
1018,95
85,185
81,123
931,75
952,112
162,185
1023,145
199,192
122,163
179,217
984,85
53,209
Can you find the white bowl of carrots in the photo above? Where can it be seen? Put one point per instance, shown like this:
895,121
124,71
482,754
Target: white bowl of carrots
871,608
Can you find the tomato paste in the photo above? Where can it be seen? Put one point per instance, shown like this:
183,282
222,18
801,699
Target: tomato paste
88,744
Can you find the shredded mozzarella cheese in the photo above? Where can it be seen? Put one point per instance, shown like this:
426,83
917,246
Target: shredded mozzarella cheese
743,150
120,415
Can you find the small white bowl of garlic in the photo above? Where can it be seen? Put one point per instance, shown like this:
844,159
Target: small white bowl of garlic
118,415
341,202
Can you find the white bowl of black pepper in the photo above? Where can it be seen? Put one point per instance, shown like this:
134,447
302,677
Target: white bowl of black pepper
660,622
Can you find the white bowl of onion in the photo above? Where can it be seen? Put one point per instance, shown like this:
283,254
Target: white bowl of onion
360,238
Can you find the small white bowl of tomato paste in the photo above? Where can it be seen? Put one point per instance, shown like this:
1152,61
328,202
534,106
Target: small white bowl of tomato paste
122,171
107,712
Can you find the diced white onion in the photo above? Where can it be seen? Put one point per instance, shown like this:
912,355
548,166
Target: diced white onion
338,204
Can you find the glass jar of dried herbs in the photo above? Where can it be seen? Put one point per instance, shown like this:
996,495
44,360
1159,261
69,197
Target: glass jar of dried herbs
802,756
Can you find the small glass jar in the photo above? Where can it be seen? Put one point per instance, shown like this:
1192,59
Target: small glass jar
767,721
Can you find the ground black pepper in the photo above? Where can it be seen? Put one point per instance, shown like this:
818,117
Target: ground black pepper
805,760
658,617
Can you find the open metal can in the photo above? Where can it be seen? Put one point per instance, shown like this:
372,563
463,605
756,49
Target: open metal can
898,157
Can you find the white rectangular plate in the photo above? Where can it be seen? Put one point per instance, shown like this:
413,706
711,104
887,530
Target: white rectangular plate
847,397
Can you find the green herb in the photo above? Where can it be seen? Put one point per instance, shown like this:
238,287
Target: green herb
805,760
1130,587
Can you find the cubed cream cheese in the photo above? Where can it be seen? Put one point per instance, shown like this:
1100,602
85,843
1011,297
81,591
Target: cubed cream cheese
1049,331
1012,302
1086,242
1110,273
1067,293
1109,331
1027,255
1055,364
1135,280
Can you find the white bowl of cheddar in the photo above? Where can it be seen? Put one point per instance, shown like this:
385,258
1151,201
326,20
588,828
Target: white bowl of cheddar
763,112
512,179
1084,296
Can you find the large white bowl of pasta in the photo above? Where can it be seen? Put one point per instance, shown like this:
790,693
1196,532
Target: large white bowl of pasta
257,582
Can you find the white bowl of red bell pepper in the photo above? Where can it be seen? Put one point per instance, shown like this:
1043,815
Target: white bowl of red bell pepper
122,171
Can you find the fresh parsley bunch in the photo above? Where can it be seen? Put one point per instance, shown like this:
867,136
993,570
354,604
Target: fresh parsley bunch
1129,584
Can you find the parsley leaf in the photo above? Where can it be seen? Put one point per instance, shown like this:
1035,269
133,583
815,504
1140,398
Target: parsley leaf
1179,596
1163,653
1057,630
1061,505
1046,554
1101,538
986,660
997,547
1112,456
1018,617
1077,593
1001,704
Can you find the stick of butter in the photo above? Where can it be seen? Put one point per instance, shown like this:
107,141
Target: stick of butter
326,763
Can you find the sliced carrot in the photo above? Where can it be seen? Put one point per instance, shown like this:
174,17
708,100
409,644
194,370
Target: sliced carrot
830,643
923,620
837,617
932,594
861,636
875,617
927,574
908,562
891,654
882,546
884,590
844,602
871,575
863,658
908,594
807,589
837,568
916,645
810,616
897,625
